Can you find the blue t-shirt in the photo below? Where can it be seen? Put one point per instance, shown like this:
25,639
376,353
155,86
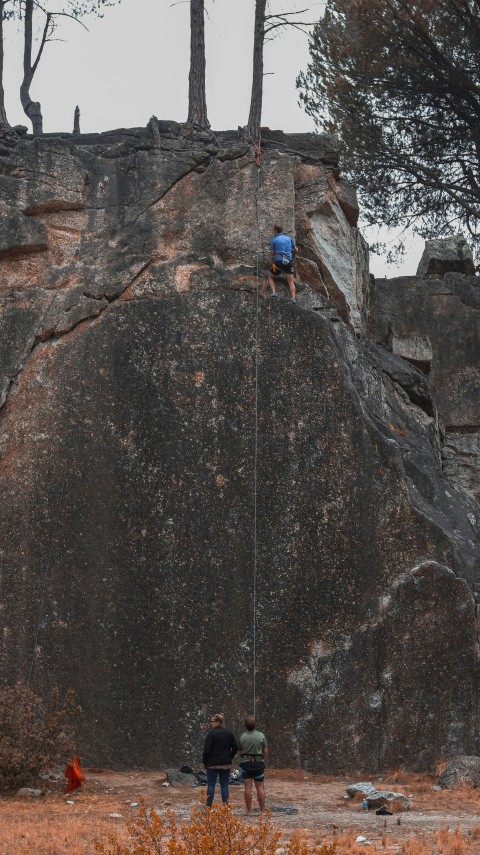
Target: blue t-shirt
282,245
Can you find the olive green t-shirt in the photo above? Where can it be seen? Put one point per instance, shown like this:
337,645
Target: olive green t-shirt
252,743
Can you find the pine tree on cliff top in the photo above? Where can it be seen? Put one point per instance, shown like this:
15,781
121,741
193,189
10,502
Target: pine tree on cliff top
268,24
400,83
197,102
6,12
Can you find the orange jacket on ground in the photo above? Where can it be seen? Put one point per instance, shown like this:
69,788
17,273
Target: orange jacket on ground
74,775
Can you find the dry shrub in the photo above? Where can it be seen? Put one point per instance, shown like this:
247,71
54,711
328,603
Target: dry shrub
451,842
210,831
423,787
396,775
440,767
475,832
34,736
463,795
347,844
414,846
345,840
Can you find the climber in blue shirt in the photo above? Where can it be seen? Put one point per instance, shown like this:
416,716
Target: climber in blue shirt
282,248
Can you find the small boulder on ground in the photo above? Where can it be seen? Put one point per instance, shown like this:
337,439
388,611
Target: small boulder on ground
54,775
377,798
179,779
361,790
464,769
29,793
450,255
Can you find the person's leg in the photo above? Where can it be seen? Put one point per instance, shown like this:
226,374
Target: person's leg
248,794
224,775
260,788
271,282
291,285
211,781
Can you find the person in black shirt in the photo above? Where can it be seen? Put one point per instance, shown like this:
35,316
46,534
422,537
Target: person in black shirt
218,752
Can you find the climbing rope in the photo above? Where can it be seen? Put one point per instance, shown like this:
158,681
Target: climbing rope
255,448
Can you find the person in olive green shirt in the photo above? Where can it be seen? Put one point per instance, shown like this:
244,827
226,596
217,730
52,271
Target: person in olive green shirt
253,748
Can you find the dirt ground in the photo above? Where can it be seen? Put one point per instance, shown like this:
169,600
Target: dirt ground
444,822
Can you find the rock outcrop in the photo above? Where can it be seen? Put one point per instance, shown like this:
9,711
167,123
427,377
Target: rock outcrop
127,442
460,772
434,323
450,255
374,798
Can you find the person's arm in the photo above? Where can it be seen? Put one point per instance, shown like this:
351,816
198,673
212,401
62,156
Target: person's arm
207,748
234,746
272,247
265,749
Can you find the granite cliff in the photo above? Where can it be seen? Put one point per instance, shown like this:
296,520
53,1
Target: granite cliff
127,428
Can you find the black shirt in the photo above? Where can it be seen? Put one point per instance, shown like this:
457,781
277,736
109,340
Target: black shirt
220,747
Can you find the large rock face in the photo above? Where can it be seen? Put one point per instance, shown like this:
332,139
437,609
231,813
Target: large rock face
127,443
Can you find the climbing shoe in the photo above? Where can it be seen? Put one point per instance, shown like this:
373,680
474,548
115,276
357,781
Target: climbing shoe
270,296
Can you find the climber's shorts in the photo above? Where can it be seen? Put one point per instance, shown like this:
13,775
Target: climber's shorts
279,267
253,769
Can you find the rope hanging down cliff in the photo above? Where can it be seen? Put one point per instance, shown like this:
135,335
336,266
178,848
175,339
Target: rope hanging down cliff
255,447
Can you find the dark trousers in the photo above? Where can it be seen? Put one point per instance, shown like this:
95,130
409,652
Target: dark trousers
223,775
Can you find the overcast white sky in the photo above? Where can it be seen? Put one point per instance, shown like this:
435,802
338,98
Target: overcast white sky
133,63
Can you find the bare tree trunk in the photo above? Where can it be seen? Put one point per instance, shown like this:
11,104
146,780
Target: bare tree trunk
3,115
197,103
31,108
255,117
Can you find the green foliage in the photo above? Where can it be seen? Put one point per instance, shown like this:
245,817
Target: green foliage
7,9
34,736
73,8
79,8
399,81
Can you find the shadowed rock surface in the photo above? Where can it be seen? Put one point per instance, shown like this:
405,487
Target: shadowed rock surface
127,449
434,322
461,771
